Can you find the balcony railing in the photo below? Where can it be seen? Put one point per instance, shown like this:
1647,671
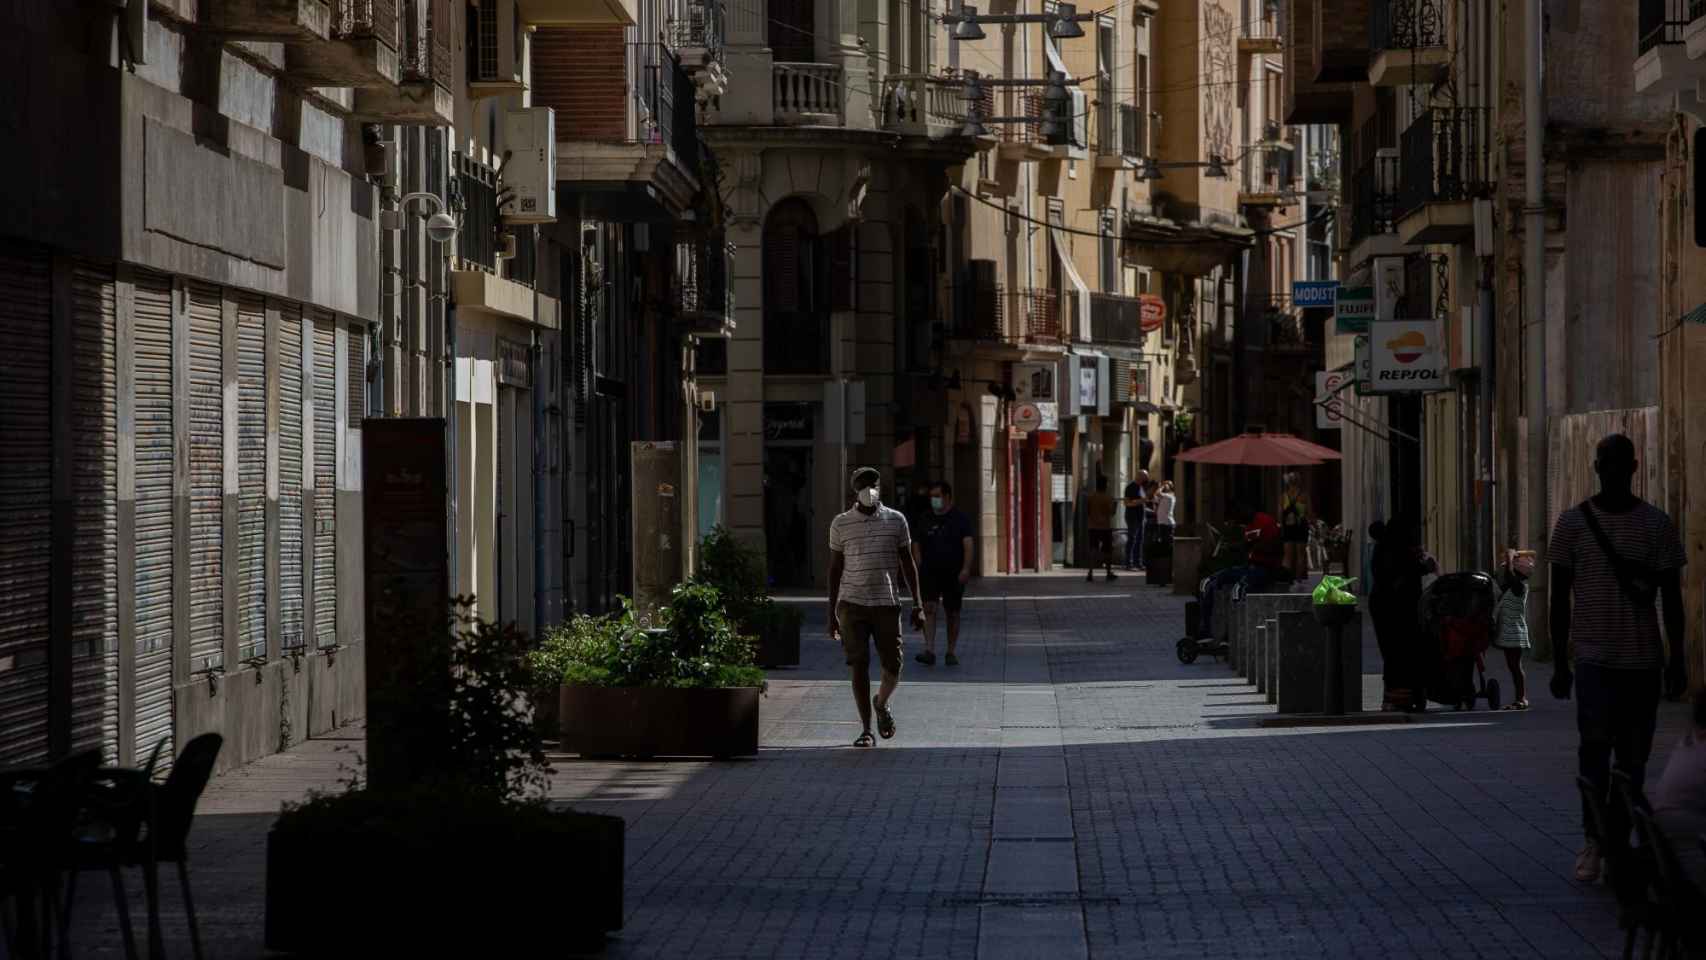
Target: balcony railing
808,93
1029,315
475,198
1261,30
1115,319
366,18
663,102
1132,123
1024,105
1444,158
919,104
700,27
1373,199
1696,9
1406,24
1662,22
425,52
523,268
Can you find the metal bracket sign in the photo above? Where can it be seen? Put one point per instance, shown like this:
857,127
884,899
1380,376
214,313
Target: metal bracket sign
1353,309
1406,357
1314,293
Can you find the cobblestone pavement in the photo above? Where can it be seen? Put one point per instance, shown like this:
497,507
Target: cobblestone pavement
1071,790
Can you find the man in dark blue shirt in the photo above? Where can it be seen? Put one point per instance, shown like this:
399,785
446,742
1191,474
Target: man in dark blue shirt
942,548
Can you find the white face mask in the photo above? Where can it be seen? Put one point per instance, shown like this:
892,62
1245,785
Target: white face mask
868,497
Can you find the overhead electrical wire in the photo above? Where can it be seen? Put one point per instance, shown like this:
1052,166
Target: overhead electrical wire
1324,214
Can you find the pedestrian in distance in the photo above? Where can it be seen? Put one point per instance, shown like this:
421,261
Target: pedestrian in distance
943,551
1138,506
1510,621
866,545
1294,526
1100,506
1614,558
1264,564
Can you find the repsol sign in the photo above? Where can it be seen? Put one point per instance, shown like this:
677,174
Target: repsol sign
1422,376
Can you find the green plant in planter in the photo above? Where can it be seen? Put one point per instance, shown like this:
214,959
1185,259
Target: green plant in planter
736,571
696,646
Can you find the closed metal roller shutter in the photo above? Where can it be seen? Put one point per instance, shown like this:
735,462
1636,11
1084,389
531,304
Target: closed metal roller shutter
355,375
152,312
290,592
252,475
26,488
325,482
207,478
94,626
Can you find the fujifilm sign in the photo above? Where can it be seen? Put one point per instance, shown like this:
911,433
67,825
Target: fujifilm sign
1408,357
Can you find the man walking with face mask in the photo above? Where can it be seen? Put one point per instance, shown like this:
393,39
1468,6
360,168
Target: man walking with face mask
866,544
943,551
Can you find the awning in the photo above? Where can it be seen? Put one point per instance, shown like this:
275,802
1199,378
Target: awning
1080,318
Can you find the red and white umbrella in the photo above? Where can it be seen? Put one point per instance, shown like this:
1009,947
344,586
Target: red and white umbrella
1261,450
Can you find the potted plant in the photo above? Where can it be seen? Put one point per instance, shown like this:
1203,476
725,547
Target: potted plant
447,844
737,571
686,688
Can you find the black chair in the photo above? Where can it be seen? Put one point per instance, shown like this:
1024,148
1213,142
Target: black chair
134,822
38,810
1681,904
1626,871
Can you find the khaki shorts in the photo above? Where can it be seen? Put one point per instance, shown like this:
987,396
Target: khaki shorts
880,624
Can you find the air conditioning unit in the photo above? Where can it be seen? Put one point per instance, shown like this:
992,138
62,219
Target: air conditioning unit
496,40
530,172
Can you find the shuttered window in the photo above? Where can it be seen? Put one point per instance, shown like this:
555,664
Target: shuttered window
94,627
325,481
26,450
152,314
290,517
207,478
252,476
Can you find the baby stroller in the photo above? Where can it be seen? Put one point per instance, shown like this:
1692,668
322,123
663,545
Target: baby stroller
1456,629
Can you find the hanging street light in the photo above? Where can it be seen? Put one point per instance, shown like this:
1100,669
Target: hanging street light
967,27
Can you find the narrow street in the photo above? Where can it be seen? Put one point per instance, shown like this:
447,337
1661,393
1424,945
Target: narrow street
1070,790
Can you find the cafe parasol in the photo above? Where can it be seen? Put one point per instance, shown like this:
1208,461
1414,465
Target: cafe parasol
1261,449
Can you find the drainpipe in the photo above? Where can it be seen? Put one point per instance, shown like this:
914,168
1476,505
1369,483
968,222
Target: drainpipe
537,383
1534,312
1485,550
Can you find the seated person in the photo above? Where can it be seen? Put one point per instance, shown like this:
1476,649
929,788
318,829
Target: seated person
1266,564
1679,803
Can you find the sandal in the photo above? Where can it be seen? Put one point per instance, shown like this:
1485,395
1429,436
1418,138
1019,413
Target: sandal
927,658
952,660
885,719
1517,705
865,740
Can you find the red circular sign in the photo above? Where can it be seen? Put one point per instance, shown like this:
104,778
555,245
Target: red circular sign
1152,312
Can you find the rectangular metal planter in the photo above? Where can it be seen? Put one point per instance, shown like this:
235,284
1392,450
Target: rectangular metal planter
659,721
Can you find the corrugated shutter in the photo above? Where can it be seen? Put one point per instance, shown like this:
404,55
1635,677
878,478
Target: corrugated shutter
355,375
252,475
26,488
325,482
290,591
94,704
152,312
207,478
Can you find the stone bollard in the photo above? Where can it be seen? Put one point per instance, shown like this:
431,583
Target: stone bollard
1302,662
1273,660
1187,557
1261,607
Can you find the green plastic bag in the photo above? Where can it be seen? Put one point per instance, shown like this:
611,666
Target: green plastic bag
1334,591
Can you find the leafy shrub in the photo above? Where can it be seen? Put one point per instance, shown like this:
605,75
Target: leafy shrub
491,740
696,646
736,571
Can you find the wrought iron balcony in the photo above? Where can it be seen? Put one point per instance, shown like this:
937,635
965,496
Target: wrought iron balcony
363,51
474,197
808,94
1023,141
1374,199
699,27
1444,158
1029,315
1662,22
1133,126
425,59
1407,40
1115,319
1665,47
1262,33
663,102
289,21
923,105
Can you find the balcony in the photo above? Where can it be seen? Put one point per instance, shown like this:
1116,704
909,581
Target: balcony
274,21
1262,35
704,297
1023,141
1407,42
1694,35
1374,209
1661,53
1118,136
362,51
923,106
582,13
808,94
1029,315
1443,170
1266,178
697,35
424,65
1116,319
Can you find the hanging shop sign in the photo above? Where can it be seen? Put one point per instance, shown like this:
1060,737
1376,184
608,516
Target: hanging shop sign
1026,417
1034,381
1329,399
1388,288
1313,293
1050,413
1151,312
1406,357
1353,309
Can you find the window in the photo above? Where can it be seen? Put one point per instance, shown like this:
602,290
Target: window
796,310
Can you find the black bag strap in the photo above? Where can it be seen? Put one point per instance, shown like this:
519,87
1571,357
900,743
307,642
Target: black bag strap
1619,566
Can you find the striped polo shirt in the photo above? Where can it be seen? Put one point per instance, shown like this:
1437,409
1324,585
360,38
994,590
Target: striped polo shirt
1607,628
870,546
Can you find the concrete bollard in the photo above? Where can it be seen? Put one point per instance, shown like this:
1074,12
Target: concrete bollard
1187,557
1273,661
